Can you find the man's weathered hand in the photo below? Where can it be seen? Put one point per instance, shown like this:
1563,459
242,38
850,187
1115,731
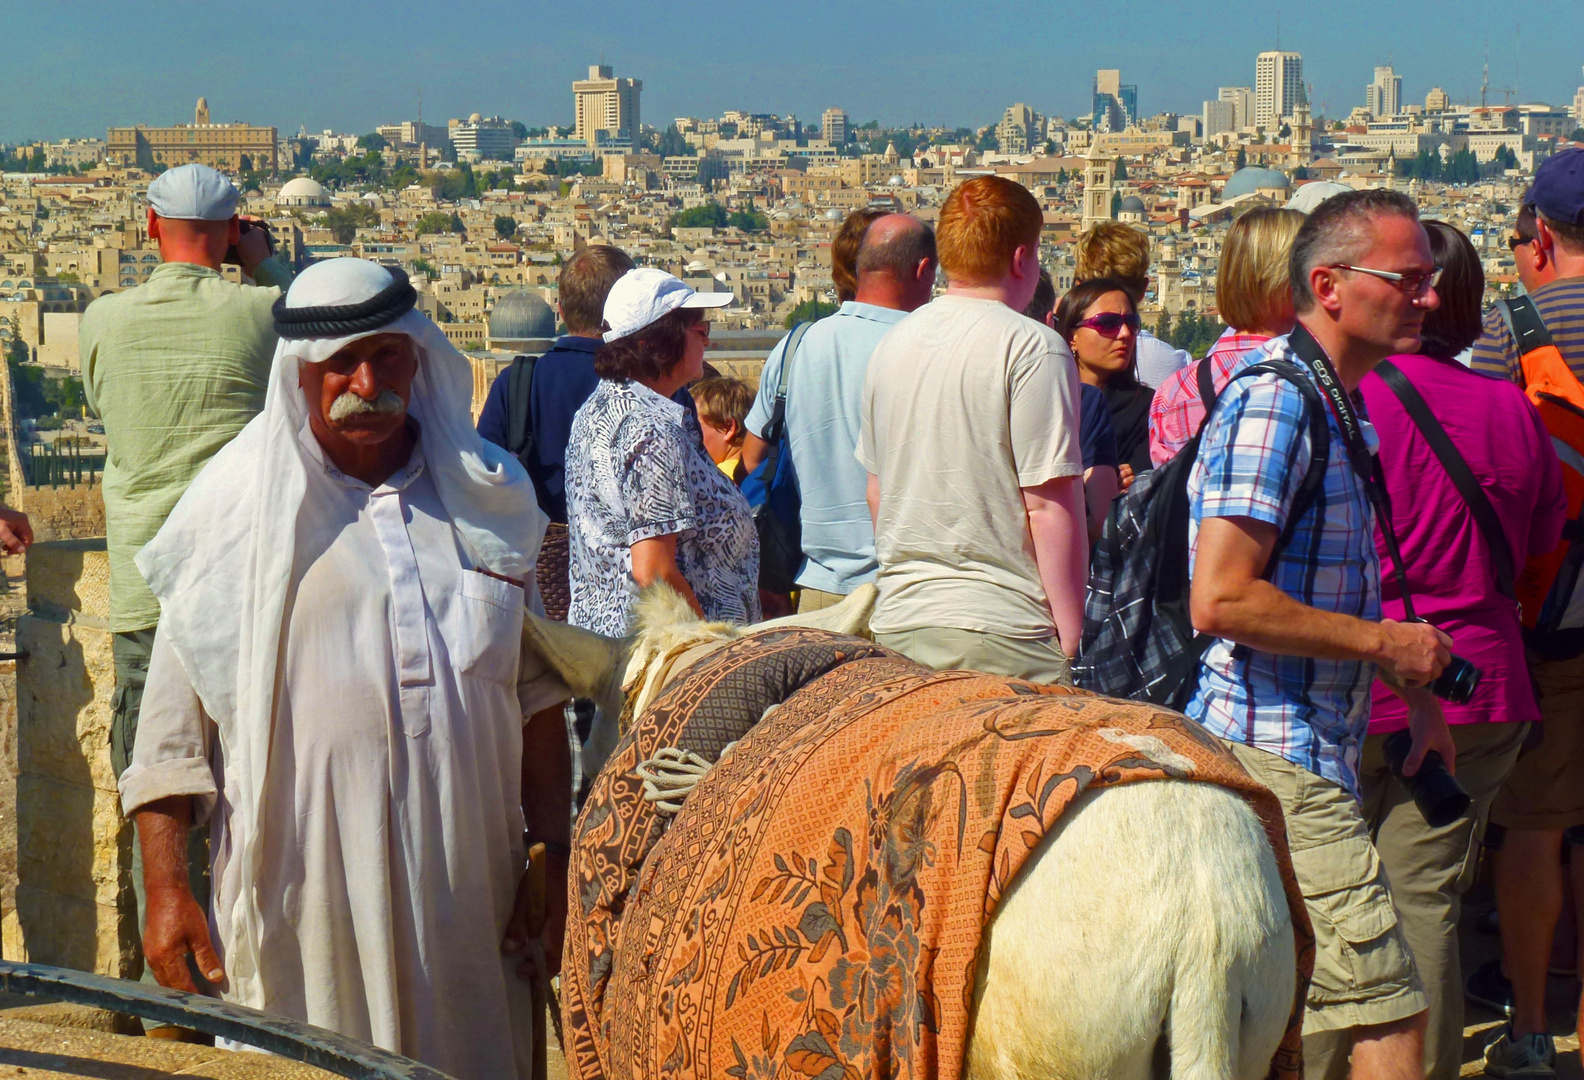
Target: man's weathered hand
16,533
1413,654
551,928
173,927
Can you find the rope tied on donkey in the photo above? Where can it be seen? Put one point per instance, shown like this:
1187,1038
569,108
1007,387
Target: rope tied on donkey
671,775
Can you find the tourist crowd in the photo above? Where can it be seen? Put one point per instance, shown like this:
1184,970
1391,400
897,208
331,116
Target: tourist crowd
1379,491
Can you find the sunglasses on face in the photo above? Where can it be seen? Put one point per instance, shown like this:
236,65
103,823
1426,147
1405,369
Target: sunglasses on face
1110,324
1516,242
701,328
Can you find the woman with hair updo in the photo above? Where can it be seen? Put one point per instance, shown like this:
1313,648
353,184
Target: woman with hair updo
1254,297
645,503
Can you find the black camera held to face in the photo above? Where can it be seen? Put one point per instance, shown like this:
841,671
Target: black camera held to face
245,226
1440,798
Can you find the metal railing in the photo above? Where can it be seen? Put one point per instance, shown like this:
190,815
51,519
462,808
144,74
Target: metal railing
288,1038
52,465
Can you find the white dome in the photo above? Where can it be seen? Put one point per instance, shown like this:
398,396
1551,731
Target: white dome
303,185
475,118
303,191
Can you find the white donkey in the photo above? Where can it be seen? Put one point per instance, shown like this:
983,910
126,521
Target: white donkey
1147,936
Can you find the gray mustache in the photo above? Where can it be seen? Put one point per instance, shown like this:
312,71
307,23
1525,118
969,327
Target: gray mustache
350,404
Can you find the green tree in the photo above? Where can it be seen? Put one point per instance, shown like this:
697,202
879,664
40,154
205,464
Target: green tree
505,227
423,266
1163,325
344,221
1577,136
711,215
372,141
437,221
670,143
1121,169
750,221
519,130
457,183
1242,159
809,311
1194,333
1116,204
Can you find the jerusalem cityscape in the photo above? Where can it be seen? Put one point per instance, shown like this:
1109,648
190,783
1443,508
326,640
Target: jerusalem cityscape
445,636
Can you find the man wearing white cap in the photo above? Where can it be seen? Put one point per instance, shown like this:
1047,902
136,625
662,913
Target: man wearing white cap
174,368
339,686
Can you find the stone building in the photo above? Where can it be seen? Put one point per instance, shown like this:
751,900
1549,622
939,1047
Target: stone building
223,146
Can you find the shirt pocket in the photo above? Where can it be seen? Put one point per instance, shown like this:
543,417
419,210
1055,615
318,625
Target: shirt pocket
489,637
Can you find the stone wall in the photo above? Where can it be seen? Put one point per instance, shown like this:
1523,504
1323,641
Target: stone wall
56,513
73,848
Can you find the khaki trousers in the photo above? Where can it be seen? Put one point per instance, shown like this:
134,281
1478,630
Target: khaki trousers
1429,870
815,600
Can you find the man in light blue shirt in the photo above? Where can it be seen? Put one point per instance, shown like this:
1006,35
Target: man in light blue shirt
896,275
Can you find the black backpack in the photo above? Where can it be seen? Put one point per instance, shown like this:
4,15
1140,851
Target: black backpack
772,489
1138,638
519,399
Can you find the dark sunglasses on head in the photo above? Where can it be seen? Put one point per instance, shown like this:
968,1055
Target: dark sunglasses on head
1110,323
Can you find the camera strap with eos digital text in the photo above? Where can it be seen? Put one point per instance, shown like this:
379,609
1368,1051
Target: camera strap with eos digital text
1365,464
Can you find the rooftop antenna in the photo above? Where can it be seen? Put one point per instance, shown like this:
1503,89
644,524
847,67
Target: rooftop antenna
1278,29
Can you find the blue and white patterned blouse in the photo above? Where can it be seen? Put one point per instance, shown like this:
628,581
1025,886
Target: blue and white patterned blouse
636,469
1252,459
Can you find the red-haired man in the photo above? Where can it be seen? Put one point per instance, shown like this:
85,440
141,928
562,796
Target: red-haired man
970,438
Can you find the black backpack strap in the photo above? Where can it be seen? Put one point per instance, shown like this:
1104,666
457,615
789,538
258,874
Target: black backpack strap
1319,444
1523,319
1205,377
519,405
1457,469
777,425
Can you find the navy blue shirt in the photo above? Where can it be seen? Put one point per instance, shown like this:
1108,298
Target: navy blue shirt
563,379
1096,435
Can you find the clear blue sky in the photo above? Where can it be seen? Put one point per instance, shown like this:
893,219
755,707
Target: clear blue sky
74,67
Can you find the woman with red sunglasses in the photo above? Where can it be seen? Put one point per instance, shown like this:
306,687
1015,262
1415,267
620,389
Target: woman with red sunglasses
1100,324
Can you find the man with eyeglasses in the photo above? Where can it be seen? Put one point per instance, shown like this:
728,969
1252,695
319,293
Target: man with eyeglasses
1541,807
1290,594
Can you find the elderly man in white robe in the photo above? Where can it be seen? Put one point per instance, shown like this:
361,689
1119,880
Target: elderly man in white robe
339,687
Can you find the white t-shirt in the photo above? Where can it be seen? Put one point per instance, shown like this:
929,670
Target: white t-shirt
965,403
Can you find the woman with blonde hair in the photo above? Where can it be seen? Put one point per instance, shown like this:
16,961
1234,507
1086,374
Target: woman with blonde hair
1254,297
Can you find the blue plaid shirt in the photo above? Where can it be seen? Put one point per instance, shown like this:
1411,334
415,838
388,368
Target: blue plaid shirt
1251,463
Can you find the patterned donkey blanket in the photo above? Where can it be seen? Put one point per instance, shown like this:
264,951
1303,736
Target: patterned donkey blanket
816,907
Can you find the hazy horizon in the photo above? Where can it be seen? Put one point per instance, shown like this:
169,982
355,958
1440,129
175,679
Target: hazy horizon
353,65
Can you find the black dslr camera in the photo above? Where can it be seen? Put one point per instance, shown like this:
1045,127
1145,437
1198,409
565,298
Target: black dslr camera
1440,798
1457,680
245,226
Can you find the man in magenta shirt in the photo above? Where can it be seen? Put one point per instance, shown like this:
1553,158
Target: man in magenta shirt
1451,574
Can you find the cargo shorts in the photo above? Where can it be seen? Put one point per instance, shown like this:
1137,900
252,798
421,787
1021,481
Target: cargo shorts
1364,972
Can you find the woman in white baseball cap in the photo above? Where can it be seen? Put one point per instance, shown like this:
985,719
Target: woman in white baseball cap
645,502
